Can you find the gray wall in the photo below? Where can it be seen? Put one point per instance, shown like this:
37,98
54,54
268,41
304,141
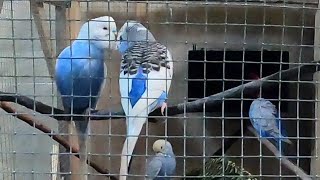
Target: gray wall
107,138
179,39
23,70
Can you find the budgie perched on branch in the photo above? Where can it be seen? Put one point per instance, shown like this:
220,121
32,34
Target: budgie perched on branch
266,120
145,79
164,163
80,70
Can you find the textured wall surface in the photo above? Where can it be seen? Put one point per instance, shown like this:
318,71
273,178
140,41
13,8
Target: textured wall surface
23,70
107,136
179,38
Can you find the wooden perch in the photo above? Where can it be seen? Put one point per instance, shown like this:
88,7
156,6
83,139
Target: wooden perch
38,14
298,171
248,89
29,119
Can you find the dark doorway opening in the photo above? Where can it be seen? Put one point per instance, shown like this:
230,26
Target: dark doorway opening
206,70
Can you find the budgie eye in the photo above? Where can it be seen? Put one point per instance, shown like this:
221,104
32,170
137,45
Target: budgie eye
105,28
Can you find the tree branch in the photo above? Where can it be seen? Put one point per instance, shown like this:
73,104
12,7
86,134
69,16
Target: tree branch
42,108
298,171
249,90
34,123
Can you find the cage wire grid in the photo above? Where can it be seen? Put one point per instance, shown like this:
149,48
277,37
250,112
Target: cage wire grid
225,54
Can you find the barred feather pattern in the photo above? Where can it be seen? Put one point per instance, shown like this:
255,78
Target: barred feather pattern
216,169
147,55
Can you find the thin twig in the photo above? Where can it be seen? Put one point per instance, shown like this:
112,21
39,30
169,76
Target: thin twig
35,123
299,172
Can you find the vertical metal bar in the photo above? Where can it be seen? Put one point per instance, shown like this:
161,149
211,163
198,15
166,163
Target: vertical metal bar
185,119
60,32
223,87
7,157
315,161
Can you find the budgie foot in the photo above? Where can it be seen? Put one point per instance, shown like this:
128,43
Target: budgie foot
163,107
88,111
287,141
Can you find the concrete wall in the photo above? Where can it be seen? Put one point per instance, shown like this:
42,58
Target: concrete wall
23,70
179,38
189,129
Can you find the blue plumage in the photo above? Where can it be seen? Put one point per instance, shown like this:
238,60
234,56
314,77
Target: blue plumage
163,97
79,75
266,120
123,46
138,87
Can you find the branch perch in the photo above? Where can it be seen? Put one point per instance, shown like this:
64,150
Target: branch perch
248,90
6,106
42,108
299,172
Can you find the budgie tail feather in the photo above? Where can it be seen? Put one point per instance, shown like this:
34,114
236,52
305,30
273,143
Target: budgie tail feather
129,144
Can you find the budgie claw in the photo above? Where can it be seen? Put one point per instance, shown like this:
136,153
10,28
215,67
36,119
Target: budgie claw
88,110
163,107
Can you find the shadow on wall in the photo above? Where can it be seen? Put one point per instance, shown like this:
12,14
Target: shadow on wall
192,128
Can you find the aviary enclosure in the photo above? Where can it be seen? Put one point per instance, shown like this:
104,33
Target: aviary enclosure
225,54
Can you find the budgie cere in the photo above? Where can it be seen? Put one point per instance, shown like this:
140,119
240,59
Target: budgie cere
145,79
164,162
80,69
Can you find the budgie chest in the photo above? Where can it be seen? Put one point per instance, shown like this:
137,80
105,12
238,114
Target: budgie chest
168,166
79,75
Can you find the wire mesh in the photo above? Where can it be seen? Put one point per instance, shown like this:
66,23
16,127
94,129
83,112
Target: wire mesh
216,46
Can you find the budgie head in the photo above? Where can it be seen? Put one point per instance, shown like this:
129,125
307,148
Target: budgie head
262,103
258,102
162,146
132,32
100,31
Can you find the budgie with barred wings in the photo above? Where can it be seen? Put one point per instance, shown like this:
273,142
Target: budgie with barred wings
80,71
145,79
265,119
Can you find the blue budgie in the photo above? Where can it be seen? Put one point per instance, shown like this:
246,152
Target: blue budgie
145,79
163,163
80,70
266,120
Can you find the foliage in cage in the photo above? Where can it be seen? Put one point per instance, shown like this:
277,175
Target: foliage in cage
219,168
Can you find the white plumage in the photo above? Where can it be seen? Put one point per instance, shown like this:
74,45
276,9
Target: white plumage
150,61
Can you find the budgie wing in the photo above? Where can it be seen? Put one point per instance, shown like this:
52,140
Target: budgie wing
154,62
269,113
153,168
86,77
271,123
